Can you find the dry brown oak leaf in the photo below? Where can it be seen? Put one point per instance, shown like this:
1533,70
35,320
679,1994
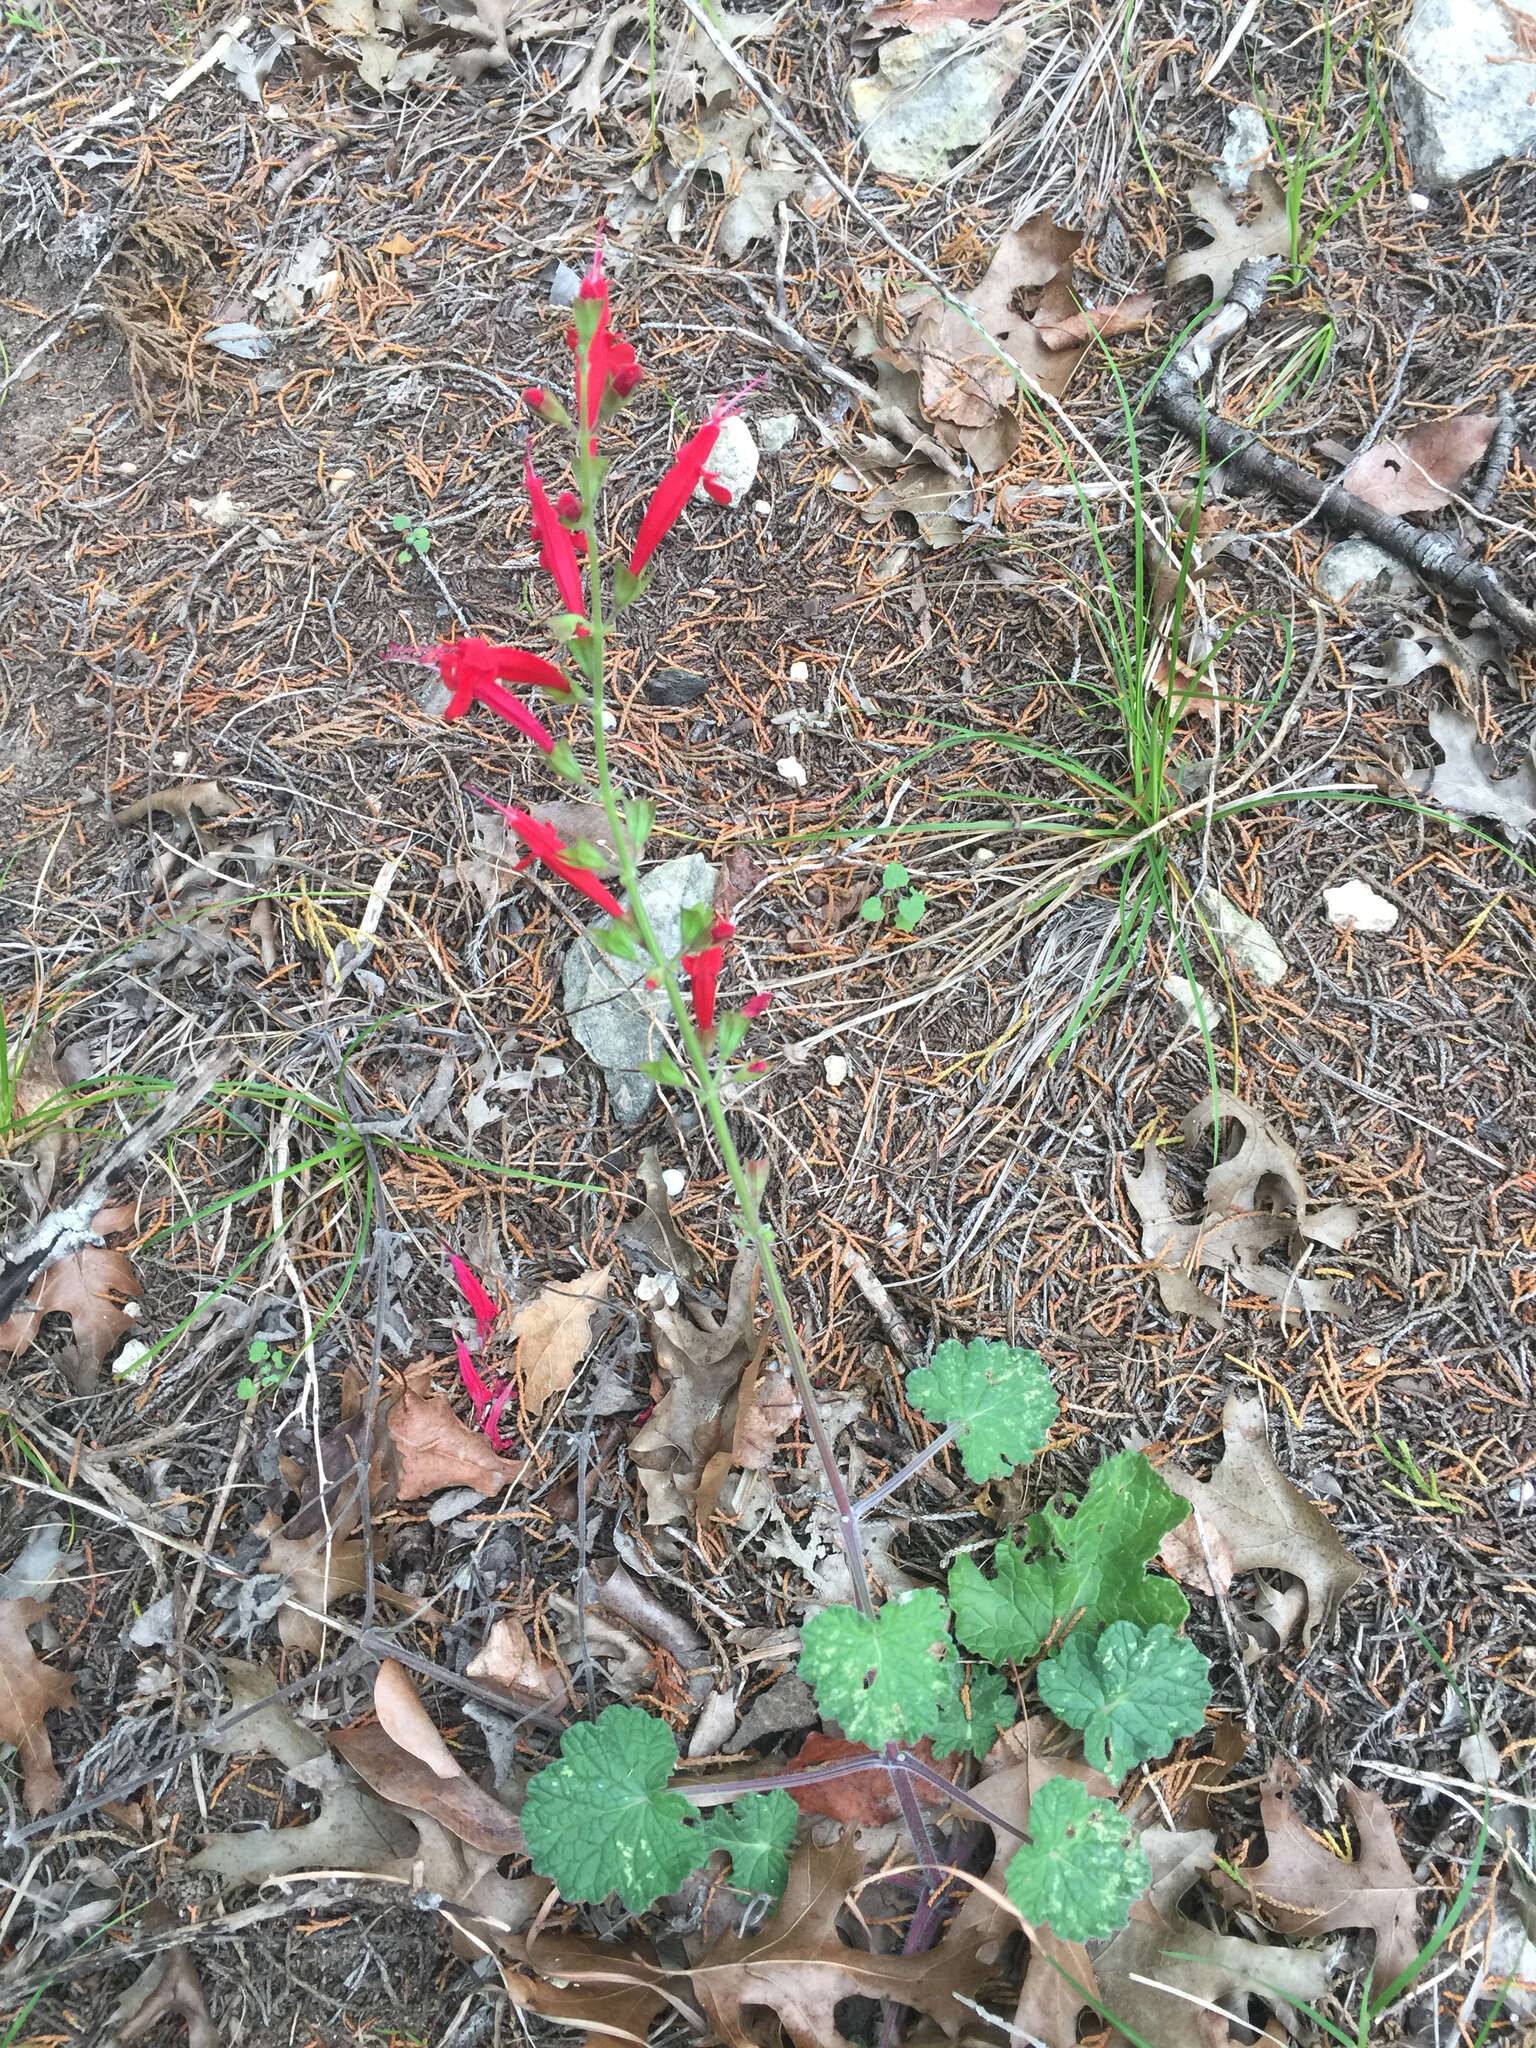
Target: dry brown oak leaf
1303,1888
864,1799
1420,471
28,1689
1255,1199
1154,1967
611,1989
1252,226
406,1761
1254,1519
508,1661
319,1572
96,1288
703,1363
436,1449
1464,781
553,1332
42,1120
799,1967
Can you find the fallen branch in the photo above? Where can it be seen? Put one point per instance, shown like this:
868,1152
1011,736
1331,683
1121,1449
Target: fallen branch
1178,398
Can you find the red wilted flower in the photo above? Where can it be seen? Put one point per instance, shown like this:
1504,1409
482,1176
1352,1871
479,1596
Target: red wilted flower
543,843
481,1306
675,488
568,508
486,1402
557,550
754,1006
703,972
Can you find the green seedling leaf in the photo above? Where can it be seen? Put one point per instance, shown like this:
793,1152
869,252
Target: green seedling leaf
1133,1692
1081,1869
884,1680
401,521
892,876
1007,1618
601,1820
872,909
664,1072
585,853
909,910
974,1723
998,1398
695,923
244,1389
260,1351
730,1032
1106,1545
756,1833
626,587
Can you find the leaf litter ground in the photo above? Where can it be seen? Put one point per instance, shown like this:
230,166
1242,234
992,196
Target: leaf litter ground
198,560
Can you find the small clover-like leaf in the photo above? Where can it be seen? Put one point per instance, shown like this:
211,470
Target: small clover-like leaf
1105,1546
601,1819
1081,1869
872,909
1133,1692
909,910
883,1680
997,1397
892,876
971,1720
756,1833
1004,1619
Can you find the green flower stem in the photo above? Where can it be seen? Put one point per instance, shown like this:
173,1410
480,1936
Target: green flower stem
910,1470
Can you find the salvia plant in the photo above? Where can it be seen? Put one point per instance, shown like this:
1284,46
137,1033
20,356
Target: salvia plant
1071,1613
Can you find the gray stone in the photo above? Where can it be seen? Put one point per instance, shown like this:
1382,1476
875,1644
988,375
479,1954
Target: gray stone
732,462
1358,568
775,435
1245,150
615,1018
936,91
1463,90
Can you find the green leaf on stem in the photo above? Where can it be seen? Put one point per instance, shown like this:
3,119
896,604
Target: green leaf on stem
893,876
666,1073
998,1399
1081,1869
694,923
1133,1692
639,817
563,762
910,909
1090,1568
756,1833
872,909
601,1820
881,1680
613,940
585,853
627,587
729,1032
568,627
972,1720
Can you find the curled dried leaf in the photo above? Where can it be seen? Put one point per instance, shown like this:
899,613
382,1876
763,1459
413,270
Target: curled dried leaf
436,1449
1421,470
28,1690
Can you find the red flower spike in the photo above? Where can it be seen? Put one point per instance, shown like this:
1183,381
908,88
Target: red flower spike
470,667
557,550
543,843
626,378
676,487
754,1006
534,398
490,1421
479,1393
703,972
480,1304
603,359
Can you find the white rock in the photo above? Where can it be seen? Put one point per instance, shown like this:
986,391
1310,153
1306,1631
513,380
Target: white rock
732,461
1463,90
1355,905
1244,940
762,507
1480,1759
1245,150
836,1070
132,1362
1192,1002
934,92
674,1180
791,772
799,672
1358,568
1419,201
775,435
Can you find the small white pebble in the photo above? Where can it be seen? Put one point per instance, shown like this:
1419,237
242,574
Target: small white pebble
132,1362
610,719
799,672
761,507
983,855
791,772
1522,1492
674,1180
836,1070
1356,904
179,761
1419,201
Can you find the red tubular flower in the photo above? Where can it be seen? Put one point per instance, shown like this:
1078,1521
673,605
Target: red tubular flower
472,667
703,972
675,488
481,1306
557,550
722,928
607,359
543,843
489,1422
754,1006
479,1393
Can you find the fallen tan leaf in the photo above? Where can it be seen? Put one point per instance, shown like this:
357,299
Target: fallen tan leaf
407,1723
925,14
179,802
1262,1520
703,1363
1464,782
1126,314
1303,1888
28,1690
1421,470
554,1982
553,1332
509,1661
456,1803
167,1984
436,1449
319,1572
354,1831
1261,228
94,1288
42,1119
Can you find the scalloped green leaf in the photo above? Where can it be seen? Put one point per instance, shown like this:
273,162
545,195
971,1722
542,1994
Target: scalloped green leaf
601,1820
1081,1869
756,1833
972,1720
884,1680
1133,1692
1106,1544
997,1397
1006,1618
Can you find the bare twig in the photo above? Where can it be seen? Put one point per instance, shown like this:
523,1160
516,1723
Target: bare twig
1500,449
